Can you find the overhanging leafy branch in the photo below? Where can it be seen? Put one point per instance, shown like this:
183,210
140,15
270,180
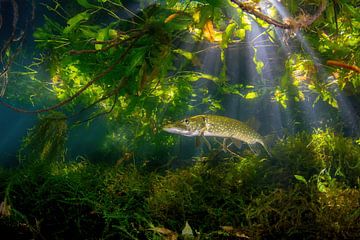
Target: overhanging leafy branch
95,79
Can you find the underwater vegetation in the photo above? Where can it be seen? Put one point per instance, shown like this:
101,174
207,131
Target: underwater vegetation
132,68
308,189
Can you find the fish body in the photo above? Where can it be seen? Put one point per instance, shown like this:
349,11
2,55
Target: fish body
216,126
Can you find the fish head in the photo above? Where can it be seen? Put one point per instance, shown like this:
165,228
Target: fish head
190,127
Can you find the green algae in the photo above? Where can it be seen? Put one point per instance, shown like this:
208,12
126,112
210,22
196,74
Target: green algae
220,196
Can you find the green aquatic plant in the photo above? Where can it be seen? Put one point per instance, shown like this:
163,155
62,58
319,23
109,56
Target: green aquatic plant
338,213
219,196
218,193
41,195
322,152
281,213
339,156
123,190
304,184
305,210
46,141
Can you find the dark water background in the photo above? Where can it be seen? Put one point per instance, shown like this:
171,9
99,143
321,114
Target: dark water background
14,125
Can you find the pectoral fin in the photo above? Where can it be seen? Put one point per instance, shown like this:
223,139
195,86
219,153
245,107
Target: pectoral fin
237,142
197,138
197,141
207,143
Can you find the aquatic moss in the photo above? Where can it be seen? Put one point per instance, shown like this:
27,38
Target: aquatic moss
293,213
206,194
221,196
309,155
281,213
338,214
46,141
121,202
339,155
42,205
262,196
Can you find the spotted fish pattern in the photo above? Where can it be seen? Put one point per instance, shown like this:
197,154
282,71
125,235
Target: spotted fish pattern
216,126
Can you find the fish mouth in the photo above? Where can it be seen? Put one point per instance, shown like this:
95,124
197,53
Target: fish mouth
180,131
168,129
171,128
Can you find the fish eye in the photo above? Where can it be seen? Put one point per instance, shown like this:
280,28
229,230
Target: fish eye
186,121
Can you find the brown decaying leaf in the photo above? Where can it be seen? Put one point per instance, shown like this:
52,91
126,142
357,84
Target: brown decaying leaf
4,209
168,234
171,17
209,32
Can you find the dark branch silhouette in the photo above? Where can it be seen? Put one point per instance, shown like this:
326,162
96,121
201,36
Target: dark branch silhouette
301,21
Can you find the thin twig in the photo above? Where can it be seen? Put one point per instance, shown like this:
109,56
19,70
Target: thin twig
249,8
122,83
112,43
76,52
101,113
294,23
343,65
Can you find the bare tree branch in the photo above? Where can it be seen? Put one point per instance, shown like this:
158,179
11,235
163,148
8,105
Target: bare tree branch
343,65
296,23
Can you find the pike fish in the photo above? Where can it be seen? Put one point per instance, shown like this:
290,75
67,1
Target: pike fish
216,126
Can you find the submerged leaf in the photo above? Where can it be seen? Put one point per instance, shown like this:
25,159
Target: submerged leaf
187,231
5,209
74,21
46,141
167,233
162,230
171,17
85,3
196,76
209,32
251,95
188,55
103,34
227,34
300,178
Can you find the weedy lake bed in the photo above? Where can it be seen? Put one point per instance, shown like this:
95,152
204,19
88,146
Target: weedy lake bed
309,187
